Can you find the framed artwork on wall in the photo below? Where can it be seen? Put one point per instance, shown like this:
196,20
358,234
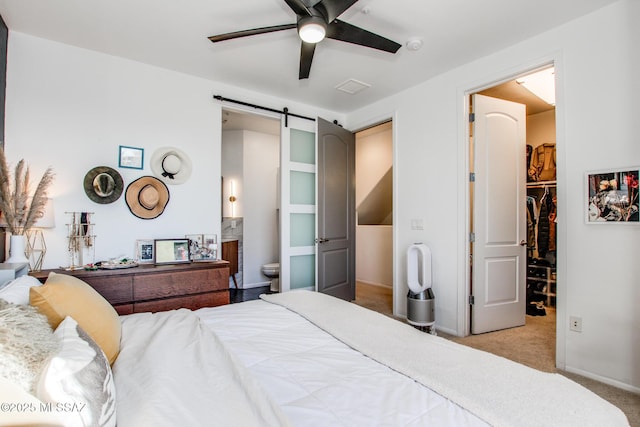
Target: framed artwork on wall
131,157
612,196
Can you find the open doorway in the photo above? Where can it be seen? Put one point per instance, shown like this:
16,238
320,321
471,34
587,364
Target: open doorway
374,222
250,199
535,263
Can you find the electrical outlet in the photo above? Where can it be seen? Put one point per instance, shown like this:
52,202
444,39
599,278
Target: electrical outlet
575,323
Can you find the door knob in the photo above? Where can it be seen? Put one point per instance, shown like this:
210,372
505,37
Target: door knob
523,243
321,240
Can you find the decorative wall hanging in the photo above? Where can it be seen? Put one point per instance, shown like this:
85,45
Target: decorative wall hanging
171,165
612,196
131,157
103,184
81,240
147,197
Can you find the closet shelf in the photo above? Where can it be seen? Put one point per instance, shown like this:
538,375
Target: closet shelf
543,282
541,184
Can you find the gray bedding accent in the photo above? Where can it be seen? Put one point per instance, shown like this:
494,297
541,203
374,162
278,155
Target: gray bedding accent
497,390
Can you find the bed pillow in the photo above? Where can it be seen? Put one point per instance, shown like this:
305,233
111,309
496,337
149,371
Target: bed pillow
78,378
17,290
63,295
26,340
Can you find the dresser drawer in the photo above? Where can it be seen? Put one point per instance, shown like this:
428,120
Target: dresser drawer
165,285
192,302
115,289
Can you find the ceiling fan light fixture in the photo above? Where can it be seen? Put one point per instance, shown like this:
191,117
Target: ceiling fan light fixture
312,29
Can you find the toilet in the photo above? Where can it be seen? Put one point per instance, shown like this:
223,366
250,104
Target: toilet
272,271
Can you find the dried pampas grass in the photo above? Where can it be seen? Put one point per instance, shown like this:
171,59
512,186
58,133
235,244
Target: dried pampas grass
20,211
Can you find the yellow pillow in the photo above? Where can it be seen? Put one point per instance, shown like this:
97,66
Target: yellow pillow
63,295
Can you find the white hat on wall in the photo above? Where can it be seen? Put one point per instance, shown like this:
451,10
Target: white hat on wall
171,165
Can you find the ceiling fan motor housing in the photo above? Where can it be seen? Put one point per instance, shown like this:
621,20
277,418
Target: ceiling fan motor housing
312,29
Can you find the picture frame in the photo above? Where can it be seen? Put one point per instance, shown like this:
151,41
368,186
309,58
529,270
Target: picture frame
144,251
203,247
211,245
612,196
196,242
171,251
131,157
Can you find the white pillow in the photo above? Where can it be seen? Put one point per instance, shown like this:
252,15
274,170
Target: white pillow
79,378
26,341
17,290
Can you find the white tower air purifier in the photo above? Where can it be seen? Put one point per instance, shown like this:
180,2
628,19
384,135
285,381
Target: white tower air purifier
420,299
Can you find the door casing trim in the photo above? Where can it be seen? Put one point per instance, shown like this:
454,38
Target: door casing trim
464,215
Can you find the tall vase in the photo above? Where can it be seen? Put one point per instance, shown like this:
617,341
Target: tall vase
17,249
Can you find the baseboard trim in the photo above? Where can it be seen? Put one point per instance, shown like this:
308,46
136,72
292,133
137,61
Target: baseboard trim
382,285
254,285
605,380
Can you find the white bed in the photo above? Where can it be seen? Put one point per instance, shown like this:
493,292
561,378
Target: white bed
306,359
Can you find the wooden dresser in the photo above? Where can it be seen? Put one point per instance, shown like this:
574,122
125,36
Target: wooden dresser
157,288
230,253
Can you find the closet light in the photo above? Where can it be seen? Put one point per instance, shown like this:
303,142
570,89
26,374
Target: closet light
541,84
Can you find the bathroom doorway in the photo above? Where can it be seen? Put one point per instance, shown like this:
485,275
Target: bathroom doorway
250,162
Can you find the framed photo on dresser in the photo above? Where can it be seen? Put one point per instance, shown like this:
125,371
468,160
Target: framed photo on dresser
144,251
171,251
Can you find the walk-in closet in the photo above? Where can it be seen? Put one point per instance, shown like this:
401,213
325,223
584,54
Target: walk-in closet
541,228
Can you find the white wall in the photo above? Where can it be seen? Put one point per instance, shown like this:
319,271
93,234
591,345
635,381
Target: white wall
71,108
232,168
597,64
541,128
374,254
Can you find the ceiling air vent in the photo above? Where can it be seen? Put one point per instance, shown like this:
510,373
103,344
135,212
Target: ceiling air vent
352,86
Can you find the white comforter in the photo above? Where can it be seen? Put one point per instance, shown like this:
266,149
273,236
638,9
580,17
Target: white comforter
172,371
499,391
319,381
261,364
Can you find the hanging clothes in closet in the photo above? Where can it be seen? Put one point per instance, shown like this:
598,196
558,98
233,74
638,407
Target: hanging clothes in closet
546,225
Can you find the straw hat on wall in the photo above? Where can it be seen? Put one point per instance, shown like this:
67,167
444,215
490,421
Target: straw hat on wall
147,197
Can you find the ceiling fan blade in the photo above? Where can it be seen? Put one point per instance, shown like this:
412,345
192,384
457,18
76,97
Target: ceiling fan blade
331,9
298,7
253,32
339,30
306,58
311,3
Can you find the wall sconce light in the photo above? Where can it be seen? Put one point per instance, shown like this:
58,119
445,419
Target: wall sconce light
35,247
232,198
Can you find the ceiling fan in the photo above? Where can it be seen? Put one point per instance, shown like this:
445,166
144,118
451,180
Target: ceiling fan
317,19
